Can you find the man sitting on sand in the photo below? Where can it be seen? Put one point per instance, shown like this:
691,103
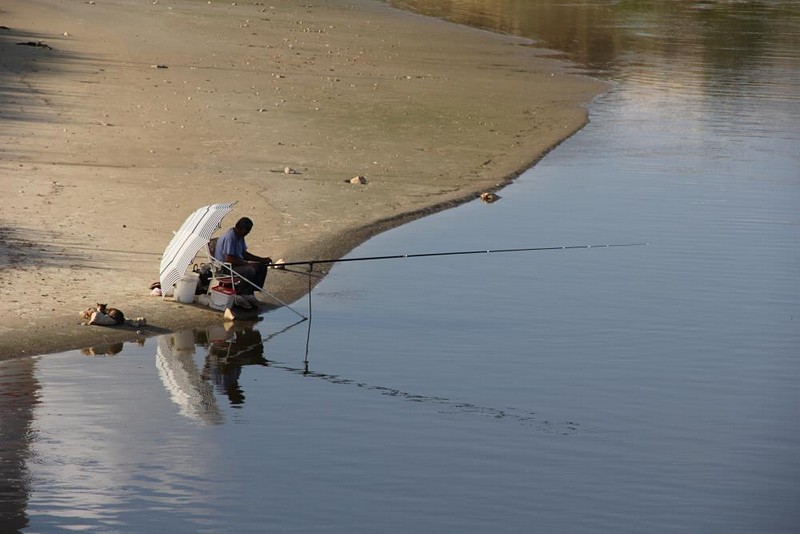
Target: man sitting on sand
231,248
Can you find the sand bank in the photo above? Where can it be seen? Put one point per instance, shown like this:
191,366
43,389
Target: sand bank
136,113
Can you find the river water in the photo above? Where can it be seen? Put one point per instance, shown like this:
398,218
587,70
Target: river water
631,389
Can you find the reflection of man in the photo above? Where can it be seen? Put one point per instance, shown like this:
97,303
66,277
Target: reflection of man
225,360
231,248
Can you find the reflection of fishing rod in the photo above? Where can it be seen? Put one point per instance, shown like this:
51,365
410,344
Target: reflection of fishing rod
311,263
443,405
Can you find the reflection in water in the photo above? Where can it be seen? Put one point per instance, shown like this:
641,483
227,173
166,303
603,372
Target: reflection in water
226,358
18,399
180,376
705,59
230,347
445,405
109,349
603,34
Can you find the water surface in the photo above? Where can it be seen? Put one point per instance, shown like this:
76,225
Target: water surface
641,389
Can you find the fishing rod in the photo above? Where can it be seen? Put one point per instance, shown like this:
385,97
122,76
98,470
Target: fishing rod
311,263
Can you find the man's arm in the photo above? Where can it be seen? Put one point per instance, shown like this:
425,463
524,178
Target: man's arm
226,249
235,260
258,259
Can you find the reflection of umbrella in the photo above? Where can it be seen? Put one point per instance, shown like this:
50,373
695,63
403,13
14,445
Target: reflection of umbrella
193,235
186,387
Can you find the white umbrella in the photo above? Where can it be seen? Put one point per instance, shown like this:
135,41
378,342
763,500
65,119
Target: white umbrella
193,395
193,235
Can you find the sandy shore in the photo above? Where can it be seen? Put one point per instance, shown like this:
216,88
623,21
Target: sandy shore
138,112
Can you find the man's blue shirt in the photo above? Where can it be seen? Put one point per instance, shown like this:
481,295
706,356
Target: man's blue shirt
230,244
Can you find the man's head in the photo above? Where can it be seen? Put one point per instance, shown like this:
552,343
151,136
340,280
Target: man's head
243,226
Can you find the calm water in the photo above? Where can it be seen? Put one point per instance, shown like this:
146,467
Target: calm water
643,389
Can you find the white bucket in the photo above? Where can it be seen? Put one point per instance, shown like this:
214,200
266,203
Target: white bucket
183,342
185,288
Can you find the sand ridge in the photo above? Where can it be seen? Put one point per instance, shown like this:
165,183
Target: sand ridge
143,111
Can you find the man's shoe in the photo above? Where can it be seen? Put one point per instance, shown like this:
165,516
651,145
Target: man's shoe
243,302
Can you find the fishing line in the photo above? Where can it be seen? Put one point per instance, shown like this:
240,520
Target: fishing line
308,332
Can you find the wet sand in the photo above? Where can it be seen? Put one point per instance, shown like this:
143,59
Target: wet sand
134,114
